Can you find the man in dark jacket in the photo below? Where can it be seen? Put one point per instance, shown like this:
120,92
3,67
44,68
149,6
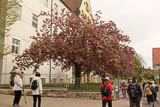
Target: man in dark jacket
106,99
135,93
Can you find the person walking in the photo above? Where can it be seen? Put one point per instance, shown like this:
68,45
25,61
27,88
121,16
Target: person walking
106,91
135,93
17,88
149,93
129,82
144,84
36,87
124,88
154,90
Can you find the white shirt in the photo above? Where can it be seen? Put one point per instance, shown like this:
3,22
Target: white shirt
38,91
116,88
18,83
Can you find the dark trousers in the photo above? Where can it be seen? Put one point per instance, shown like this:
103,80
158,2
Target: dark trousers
17,97
135,104
105,102
149,99
35,100
124,93
155,96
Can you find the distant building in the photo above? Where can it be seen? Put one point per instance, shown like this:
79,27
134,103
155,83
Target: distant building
156,63
80,6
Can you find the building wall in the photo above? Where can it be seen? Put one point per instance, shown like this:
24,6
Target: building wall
86,7
156,73
22,30
156,63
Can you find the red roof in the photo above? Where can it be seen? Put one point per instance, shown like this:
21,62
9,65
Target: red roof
72,4
156,56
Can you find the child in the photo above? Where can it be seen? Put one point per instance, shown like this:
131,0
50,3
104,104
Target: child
116,91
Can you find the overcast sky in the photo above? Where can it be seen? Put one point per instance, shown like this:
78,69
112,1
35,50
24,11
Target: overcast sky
139,19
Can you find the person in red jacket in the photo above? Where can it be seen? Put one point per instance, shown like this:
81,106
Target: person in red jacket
107,98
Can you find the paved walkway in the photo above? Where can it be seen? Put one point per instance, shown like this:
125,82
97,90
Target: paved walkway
145,104
6,101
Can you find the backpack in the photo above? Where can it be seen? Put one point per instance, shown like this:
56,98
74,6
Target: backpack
133,91
105,91
148,90
12,76
156,88
12,82
34,85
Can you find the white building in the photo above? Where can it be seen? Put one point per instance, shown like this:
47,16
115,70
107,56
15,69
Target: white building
20,33
19,39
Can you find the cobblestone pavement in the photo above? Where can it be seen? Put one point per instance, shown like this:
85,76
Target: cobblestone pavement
6,101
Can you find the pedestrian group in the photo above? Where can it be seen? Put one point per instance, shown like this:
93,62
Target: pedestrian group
132,88
18,88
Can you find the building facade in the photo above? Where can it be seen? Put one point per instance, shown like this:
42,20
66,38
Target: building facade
80,6
19,39
20,34
156,63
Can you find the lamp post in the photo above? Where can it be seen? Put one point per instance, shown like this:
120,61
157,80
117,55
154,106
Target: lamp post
50,62
118,77
118,85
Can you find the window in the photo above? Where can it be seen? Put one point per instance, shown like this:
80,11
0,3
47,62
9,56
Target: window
35,21
15,46
15,9
46,3
43,80
87,7
19,11
82,12
61,80
54,80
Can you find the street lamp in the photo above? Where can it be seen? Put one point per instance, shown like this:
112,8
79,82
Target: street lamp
50,62
118,83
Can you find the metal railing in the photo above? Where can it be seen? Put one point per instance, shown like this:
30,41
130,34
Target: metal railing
58,81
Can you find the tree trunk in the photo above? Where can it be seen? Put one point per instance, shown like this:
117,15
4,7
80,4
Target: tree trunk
77,76
88,77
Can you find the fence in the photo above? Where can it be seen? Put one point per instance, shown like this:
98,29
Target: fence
57,81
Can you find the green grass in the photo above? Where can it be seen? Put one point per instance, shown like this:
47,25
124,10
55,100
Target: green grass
4,86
